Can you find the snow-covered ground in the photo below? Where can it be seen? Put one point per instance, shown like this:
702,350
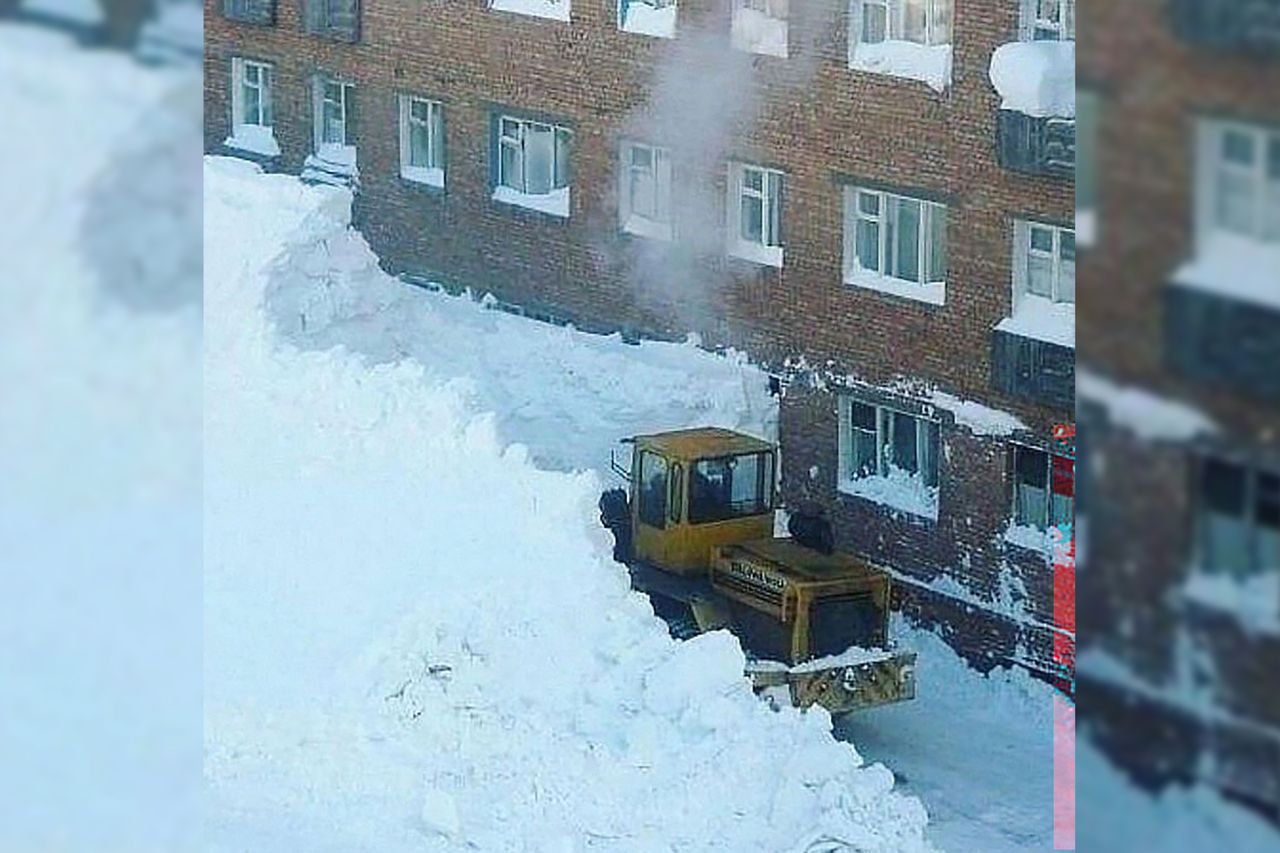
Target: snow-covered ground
100,502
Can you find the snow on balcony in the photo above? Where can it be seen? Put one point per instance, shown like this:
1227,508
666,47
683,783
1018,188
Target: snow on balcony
649,17
1037,78
756,32
554,203
1235,267
253,139
1042,319
556,10
930,64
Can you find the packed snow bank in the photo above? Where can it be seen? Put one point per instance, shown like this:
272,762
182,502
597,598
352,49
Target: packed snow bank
454,661
1037,78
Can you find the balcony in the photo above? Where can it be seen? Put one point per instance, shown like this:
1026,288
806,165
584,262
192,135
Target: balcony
1033,369
1223,339
1036,125
1245,25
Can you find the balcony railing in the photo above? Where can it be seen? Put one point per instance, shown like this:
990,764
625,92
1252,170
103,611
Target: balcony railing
1250,25
1037,145
1033,369
1215,338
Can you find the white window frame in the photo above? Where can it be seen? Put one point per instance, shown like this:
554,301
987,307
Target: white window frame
768,250
659,224
1039,23
239,75
519,142
939,22
924,287
1249,518
1024,251
321,99
928,448
1264,221
433,171
1049,456
777,10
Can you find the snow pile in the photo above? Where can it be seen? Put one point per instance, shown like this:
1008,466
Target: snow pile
556,10
1234,267
1037,78
756,32
455,662
899,489
930,64
1147,415
649,17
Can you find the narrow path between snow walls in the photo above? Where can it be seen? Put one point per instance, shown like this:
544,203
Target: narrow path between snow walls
416,639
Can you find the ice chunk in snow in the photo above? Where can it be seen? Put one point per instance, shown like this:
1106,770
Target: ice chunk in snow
1037,78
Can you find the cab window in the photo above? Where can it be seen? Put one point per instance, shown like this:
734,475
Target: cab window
652,496
731,487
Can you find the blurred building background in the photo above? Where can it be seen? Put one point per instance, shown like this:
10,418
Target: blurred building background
1179,390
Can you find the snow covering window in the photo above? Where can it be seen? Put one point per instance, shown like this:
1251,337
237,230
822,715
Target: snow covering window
422,140
889,456
1240,166
645,191
251,117
556,10
755,214
339,19
652,491
1043,488
533,165
902,38
895,243
1238,524
760,26
730,487
1046,261
1049,20
648,17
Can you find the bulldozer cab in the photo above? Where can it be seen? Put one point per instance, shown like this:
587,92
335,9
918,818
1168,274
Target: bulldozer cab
693,490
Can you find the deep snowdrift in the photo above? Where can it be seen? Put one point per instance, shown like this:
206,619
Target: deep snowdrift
416,639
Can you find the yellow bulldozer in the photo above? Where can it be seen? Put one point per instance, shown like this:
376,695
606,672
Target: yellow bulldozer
696,529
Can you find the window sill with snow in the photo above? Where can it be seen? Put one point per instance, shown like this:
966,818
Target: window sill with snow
1235,268
932,293
555,10
646,20
254,139
427,177
554,203
768,256
1041,319
641,226
1032,538
930,64
897,491
1254,602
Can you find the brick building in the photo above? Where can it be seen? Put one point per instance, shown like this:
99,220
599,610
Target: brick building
834,186
1180,391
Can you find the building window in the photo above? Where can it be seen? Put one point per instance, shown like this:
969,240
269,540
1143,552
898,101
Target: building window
1086,166
652,508
760,26
1046,261
1049,20
648,17
755,214
1241,177
902,38
645,191
889,456
556,10
1238,523
1043,489
422,140
250,11
335,114
533,165
337,19
896,244
251,118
